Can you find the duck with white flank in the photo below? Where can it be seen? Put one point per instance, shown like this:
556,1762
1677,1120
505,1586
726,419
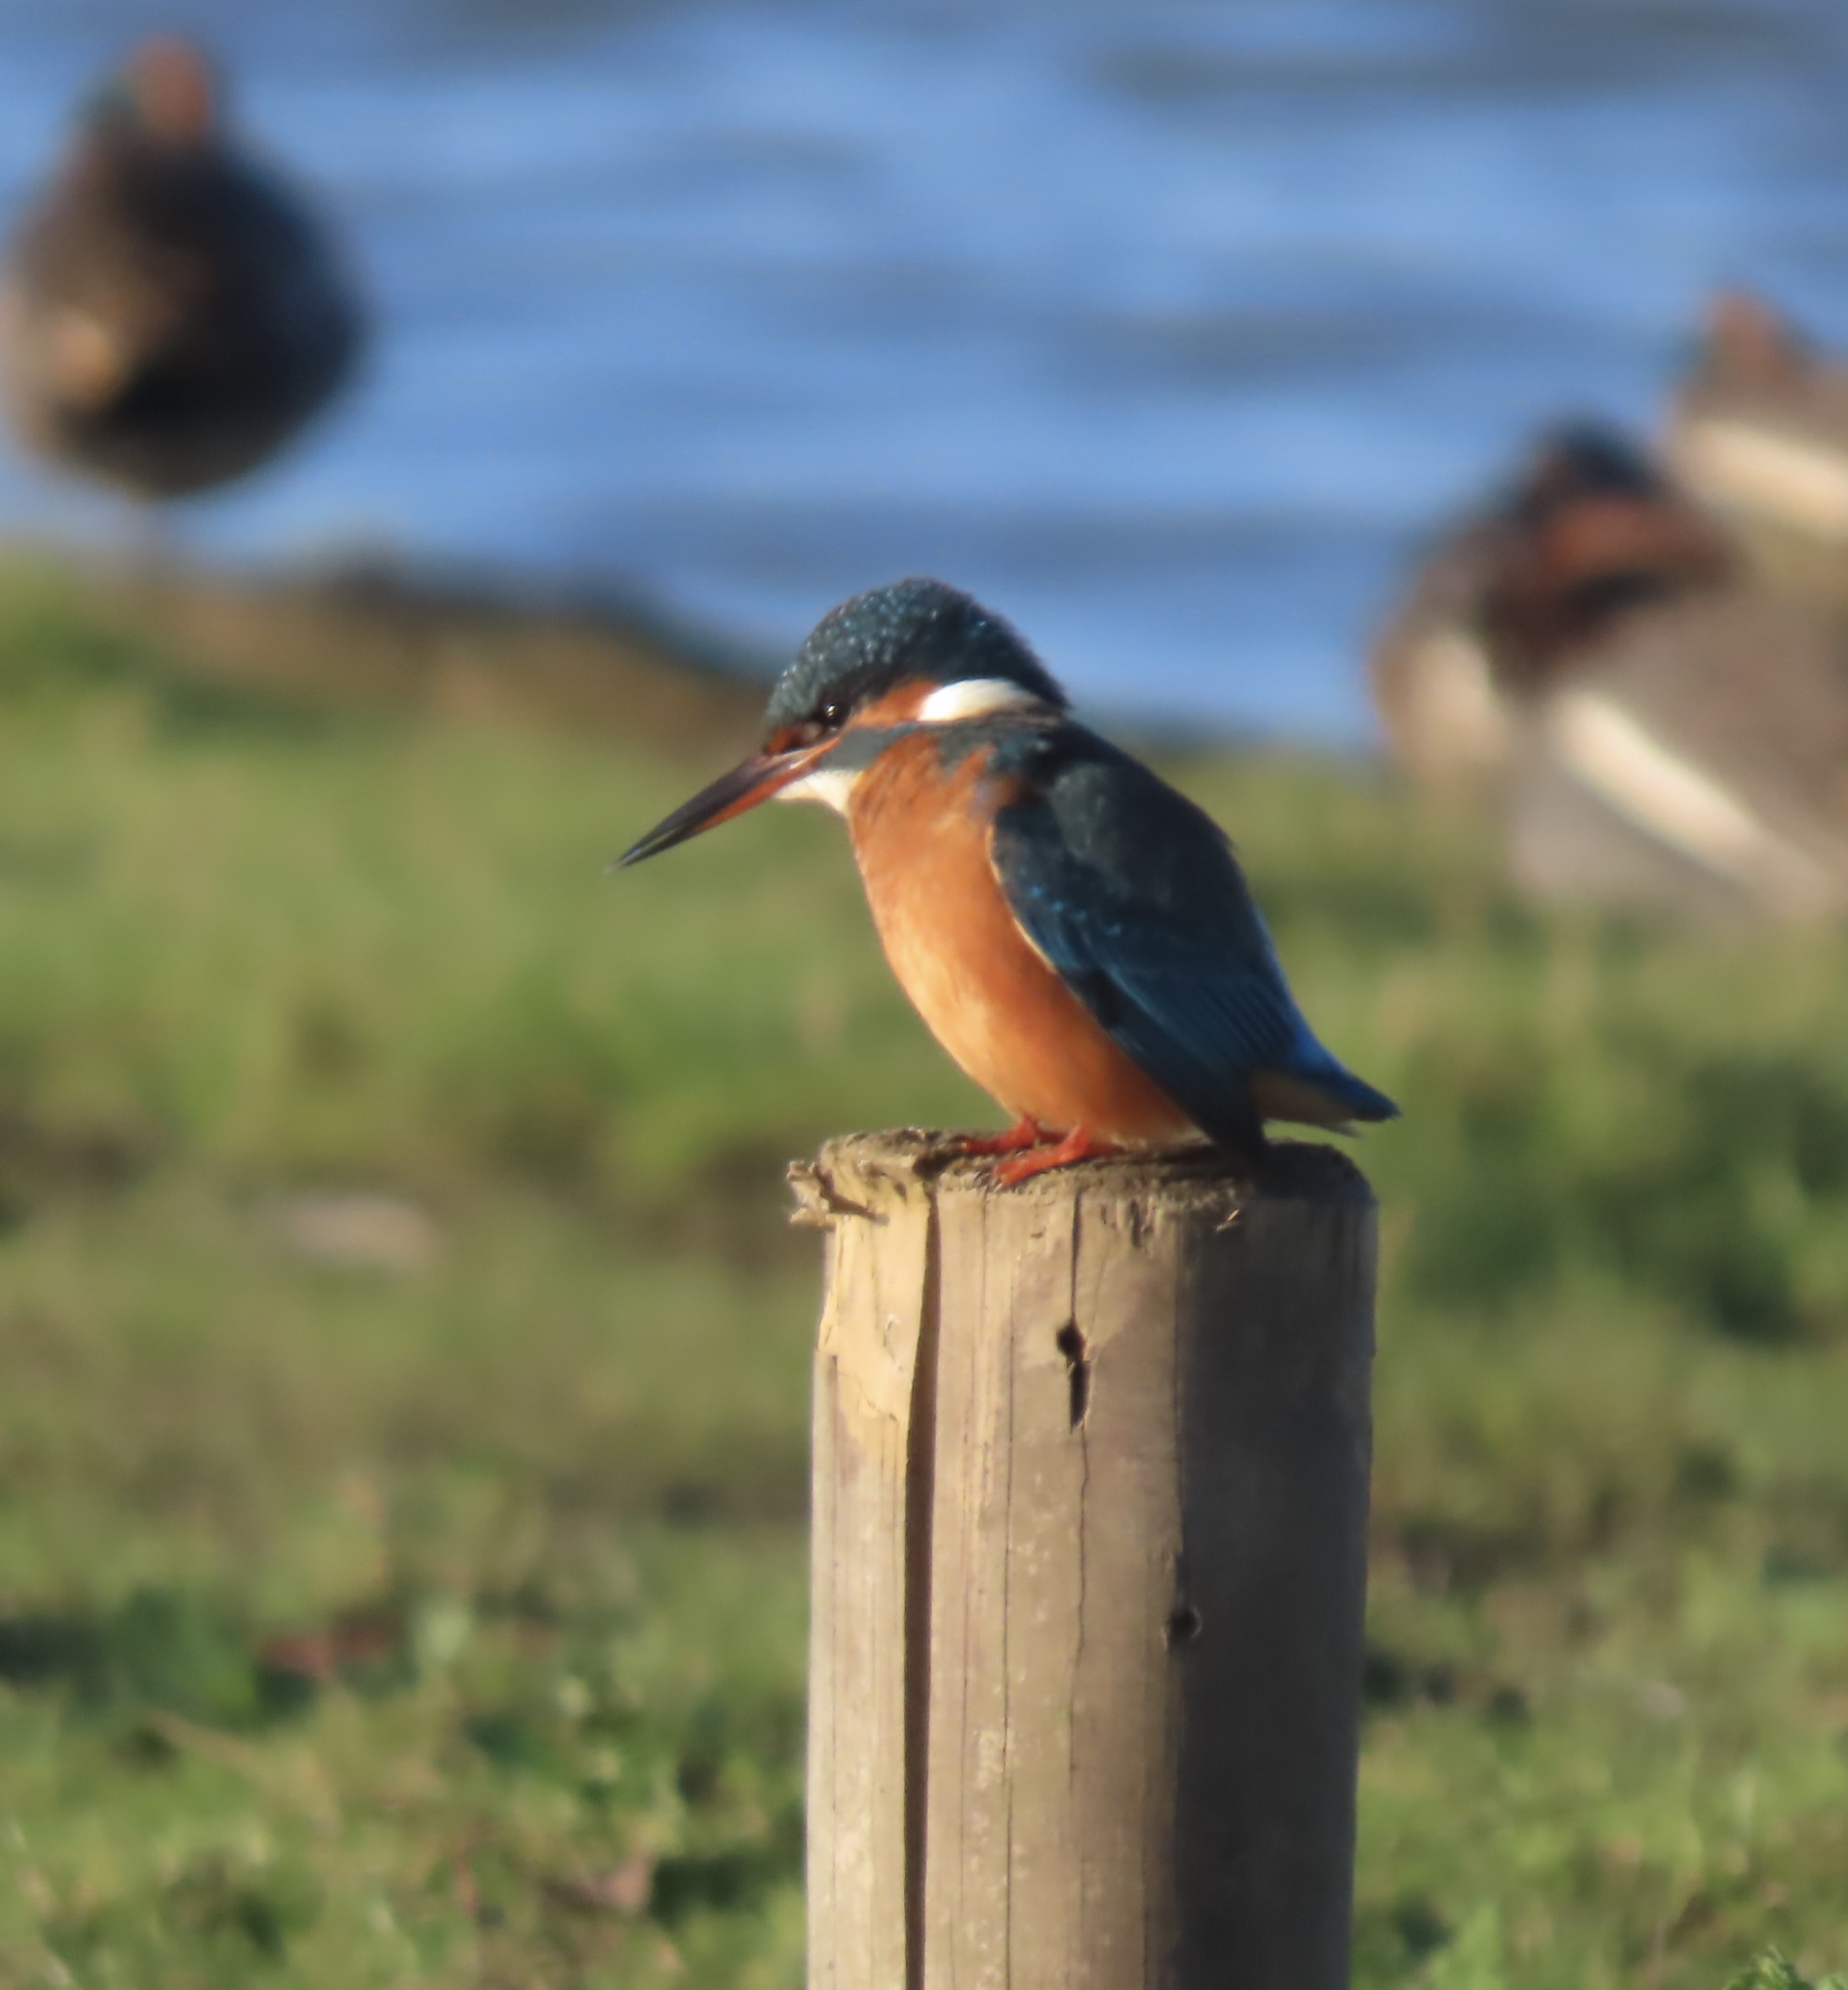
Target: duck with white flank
1662,729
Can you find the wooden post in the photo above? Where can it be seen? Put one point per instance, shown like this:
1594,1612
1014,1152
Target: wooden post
1090,1486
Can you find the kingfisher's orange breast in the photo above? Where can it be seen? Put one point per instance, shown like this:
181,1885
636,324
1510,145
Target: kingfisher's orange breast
921,835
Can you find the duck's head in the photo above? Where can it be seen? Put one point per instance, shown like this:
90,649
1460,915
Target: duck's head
914,653
168,90
1591,530
1581,460
1749,343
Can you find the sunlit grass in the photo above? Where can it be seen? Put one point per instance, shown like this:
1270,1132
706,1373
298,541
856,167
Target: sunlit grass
426,1610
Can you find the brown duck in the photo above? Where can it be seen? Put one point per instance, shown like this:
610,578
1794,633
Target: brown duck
171,311
1589,533
1663,730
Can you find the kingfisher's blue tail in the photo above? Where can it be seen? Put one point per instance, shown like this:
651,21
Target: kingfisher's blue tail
1310,1062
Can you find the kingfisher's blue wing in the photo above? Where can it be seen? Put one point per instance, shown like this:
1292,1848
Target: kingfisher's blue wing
1134,896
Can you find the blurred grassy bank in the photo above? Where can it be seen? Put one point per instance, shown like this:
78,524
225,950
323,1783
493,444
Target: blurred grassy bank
402,1450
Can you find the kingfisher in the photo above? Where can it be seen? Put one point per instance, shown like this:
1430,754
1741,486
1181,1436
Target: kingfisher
1074,933
171,310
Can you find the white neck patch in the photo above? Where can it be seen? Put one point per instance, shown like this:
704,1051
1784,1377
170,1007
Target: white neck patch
975,698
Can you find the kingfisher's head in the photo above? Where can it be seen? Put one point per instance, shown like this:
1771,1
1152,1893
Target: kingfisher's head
916,653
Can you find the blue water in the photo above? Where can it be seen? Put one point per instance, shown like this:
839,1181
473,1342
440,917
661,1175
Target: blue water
1167,328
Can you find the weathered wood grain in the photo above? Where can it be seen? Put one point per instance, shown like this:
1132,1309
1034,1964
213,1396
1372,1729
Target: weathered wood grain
1090,1502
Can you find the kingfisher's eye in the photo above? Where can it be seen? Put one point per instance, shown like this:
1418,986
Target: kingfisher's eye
834,717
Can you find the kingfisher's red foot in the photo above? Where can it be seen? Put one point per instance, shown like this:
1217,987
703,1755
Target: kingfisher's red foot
1024,1133
1080,1145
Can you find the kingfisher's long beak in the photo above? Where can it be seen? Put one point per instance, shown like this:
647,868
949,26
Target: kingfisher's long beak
747,784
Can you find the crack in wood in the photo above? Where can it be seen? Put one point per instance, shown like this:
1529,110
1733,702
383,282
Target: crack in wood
1072,1344
1184,1625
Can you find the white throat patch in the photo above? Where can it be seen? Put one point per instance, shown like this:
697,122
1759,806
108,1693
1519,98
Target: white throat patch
975,698
832,787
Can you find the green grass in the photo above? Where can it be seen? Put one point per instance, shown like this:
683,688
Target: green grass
430,1613
1774,1971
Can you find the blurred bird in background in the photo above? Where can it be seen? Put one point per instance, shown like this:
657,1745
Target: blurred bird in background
172,312
1588,535
1078,935
1661,729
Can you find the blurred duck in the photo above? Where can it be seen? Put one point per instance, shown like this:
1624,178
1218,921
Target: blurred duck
171,312
1760,427
1664,732
1588,536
